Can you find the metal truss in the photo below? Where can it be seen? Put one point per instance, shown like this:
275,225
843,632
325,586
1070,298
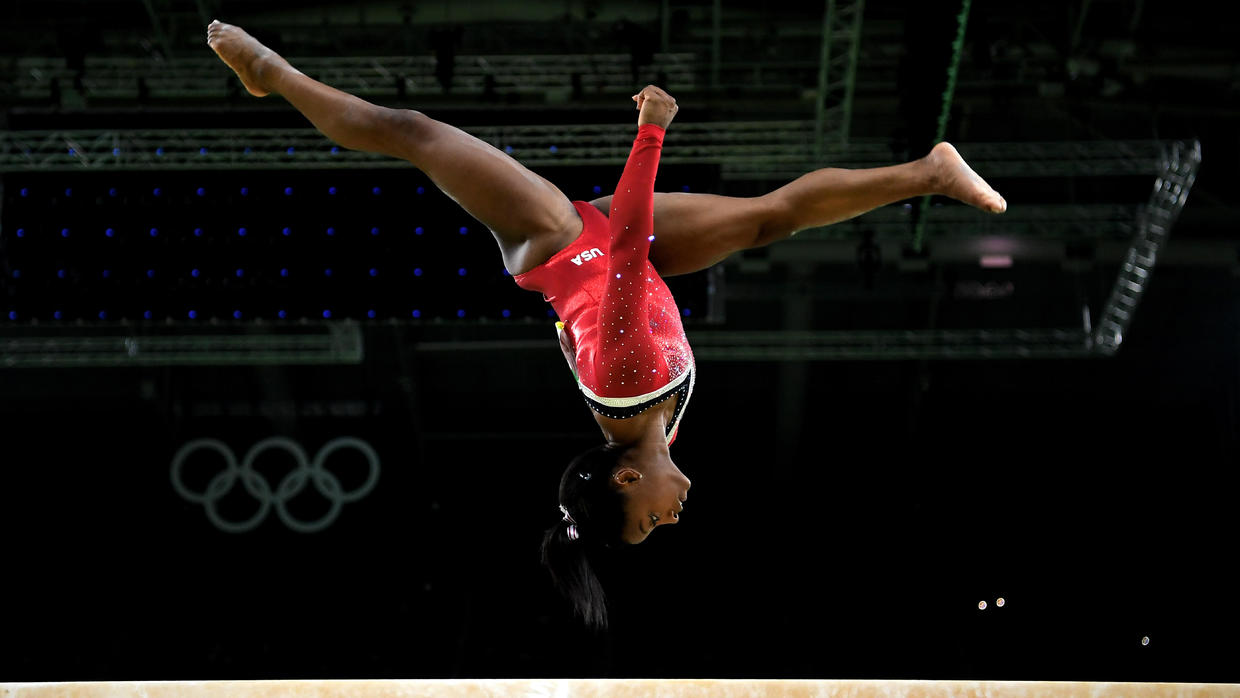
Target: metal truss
535,146
756,148
377,76
996,160
722,345
745,150
837,73
1149,227
1180,163
1040,221
891,345
112,345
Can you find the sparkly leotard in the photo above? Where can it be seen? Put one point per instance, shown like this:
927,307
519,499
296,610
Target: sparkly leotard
621,320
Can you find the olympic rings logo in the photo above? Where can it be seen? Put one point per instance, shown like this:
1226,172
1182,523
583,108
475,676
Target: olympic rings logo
290,485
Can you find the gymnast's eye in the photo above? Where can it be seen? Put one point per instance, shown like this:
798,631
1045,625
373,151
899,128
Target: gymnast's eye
654,519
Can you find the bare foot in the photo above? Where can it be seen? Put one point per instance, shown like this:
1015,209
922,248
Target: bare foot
956,179
241,52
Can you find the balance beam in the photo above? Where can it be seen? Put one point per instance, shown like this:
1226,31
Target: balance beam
615,688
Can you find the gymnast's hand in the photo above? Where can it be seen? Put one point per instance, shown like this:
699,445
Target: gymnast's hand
655,106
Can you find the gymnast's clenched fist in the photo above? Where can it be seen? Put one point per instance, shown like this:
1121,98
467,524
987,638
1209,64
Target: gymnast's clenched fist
655,106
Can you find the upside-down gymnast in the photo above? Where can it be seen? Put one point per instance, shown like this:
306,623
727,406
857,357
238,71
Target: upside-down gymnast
600,264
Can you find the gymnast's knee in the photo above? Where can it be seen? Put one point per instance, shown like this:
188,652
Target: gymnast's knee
775,220
404,132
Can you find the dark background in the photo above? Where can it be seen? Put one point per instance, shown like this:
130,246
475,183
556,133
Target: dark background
847,532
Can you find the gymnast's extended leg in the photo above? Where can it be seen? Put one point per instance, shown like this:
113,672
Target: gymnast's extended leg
695,231
530,218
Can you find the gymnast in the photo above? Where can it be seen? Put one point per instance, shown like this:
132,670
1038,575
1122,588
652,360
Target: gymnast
600,265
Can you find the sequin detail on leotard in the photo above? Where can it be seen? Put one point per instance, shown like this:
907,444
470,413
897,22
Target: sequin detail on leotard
630,346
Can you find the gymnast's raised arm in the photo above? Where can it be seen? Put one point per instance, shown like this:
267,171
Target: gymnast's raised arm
628,361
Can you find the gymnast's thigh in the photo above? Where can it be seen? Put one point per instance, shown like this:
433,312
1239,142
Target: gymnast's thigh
696,231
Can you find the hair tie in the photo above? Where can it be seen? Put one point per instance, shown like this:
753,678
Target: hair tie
572,525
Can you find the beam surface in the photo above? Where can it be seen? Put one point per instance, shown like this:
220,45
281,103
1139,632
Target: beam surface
618,688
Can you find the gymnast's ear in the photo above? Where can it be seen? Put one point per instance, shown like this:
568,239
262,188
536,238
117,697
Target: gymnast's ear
625,477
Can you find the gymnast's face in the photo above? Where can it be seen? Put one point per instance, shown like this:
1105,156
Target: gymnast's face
651,499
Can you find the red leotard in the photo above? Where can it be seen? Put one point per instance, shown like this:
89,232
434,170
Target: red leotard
622,323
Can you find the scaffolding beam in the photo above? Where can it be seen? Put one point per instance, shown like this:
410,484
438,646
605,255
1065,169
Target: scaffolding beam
118,78
118,345
745,150
1056,343
837,72
1180,163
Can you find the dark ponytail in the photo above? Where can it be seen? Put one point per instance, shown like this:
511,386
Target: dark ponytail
597,521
